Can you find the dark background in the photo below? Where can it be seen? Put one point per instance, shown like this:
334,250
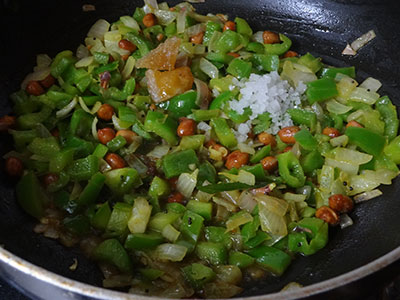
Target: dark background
321,27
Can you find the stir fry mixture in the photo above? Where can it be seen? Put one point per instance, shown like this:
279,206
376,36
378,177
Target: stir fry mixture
185,152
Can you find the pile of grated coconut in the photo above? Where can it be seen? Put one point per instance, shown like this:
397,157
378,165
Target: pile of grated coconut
266,93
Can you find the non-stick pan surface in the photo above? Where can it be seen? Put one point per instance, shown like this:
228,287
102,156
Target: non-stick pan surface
321,27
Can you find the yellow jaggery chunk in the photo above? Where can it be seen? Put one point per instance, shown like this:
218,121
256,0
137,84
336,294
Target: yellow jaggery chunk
162,58
165,85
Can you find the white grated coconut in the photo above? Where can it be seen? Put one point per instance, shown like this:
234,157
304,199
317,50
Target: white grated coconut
266,93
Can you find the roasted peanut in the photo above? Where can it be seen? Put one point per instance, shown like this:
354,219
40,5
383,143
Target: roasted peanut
269,163
186,127
267,139
128,135
331,132
341,203
105,135
327,214
286,134
270,37
127,45
236,159
115,161
197,39
34,88
149,20
353,123
105,112
229,25
14,166
175,198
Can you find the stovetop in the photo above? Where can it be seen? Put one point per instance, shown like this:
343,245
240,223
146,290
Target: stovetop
385,286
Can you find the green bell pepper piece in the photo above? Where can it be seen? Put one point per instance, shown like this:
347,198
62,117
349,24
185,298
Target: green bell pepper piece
142,102
194,142
393,150
170,29
229,186
151,274
176,208
257,170
219,57
243,27
118,222
61,159
139,41
321,89
235,116
249,230
211,27
271,259
206,172
217,234
230,40
197,275
158,188
162,219
161,125
388,113
306,140
223,132
312,161
84,168
332,72
116,143
191,226
113,252
101,58
290,170
61,62
309,243
279,48
106,68
28,121
240,259
176,163
266,62
80,146
212,253
181,105
303,117
63,180
122,181
255,47
100,151
46,147
368,141
78,225
143,241
311,62
260,154
30,195
92,189
205,115
259,238
239,68
81,123
203,209
101,217
221,99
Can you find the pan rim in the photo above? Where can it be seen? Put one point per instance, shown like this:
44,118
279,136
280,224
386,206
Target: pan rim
84,289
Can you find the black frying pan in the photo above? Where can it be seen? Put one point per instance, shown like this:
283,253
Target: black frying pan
322,27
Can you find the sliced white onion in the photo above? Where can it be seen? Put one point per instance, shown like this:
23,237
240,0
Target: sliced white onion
82,51
165,17
238,220
207,67
95,44
246,201
258,37
348,50
339,141
94,129
305,190
128,68
318,111
83,105
296,150
367,196
151,5
345,221
42,131
181,21
170,233
204,19
158,151
84,62
363,40
182,60
117,123
225,203
186,183
335,107
196,29
203,93
38,75
67,109
294,197
371,84
246,148
96,107
171,252
130,22
43,60
76,191
99,29
163,6
137,164
203,126
104,166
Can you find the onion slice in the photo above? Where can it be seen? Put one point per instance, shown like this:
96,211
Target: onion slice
66,109
367,196
203,93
